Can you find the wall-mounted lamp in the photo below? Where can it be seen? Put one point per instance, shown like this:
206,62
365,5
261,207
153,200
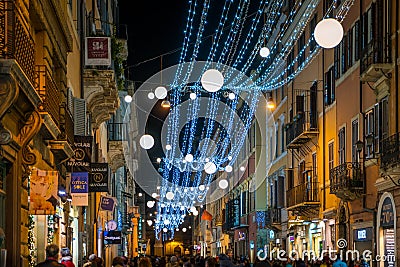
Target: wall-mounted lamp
165,104
270,102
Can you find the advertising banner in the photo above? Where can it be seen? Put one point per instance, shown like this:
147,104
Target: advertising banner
112,237
80,162
79,188
43,192
98,51
107,203
99,177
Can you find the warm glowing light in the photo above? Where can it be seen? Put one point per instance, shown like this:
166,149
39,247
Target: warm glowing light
223,184
128,98
161,92
210,167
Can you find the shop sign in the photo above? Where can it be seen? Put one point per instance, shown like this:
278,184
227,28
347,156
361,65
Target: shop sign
112,237
236,212
390,251
43,192
99,177
242,236
98,51
107,203
80,162
363,234
387,213
291,238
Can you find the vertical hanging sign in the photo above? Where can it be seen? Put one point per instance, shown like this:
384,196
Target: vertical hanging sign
79,188
99,177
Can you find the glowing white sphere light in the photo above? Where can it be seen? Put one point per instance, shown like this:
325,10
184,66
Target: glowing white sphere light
210,167
228,168
202,187
146,141
264,52
212,80
168,147
184,229
195,213
165,230
193,96
154,195
128,98
223,184
166,221
328,33
161,92
189,157
242,168
149,222
150,95
169,195
231,96
150,204
192,209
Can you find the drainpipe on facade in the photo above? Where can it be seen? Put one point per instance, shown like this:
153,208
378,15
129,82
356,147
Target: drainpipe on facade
323,133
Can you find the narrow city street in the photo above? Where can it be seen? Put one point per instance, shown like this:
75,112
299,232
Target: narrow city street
199,133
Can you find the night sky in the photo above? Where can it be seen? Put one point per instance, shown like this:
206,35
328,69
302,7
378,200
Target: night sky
154,28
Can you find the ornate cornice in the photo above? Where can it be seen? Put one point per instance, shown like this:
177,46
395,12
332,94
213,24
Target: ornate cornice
11,70
116,155
101,94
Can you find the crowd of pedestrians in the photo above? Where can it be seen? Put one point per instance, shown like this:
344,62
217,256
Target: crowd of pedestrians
222,260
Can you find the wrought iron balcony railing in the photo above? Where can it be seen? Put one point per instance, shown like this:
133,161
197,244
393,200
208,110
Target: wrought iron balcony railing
275,215
347,180
16,41
376,59
48,91
390,152
305,194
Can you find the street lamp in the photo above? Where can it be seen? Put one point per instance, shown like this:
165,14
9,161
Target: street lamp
270,102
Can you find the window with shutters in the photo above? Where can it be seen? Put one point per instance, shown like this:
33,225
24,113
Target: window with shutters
369,130
349,51
329,87
290,178
343,49
355,42
354,139
290,65
244,202
314,167
313,23
281,192
381,130
80,118
282,137
301,54
331,155
342,145
70,101
277,140
337,55
302,169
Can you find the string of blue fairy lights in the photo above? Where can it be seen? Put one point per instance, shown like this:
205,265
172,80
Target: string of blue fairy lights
271,74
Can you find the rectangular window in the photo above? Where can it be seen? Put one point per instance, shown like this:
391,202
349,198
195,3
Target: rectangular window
314,167
343,56
350,61
331,155
301,173
369,130
289,63
301,54
354,139
381,122
337,54
313,23
356,49
329,86
342,145
290,177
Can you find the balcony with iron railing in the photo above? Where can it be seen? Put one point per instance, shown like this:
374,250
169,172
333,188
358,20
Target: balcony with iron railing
347,181
275,215
303,127
390,153
376,59
303,196
16,41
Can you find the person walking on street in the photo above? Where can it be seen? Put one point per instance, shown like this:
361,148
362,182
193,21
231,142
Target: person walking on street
66,259
51,257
